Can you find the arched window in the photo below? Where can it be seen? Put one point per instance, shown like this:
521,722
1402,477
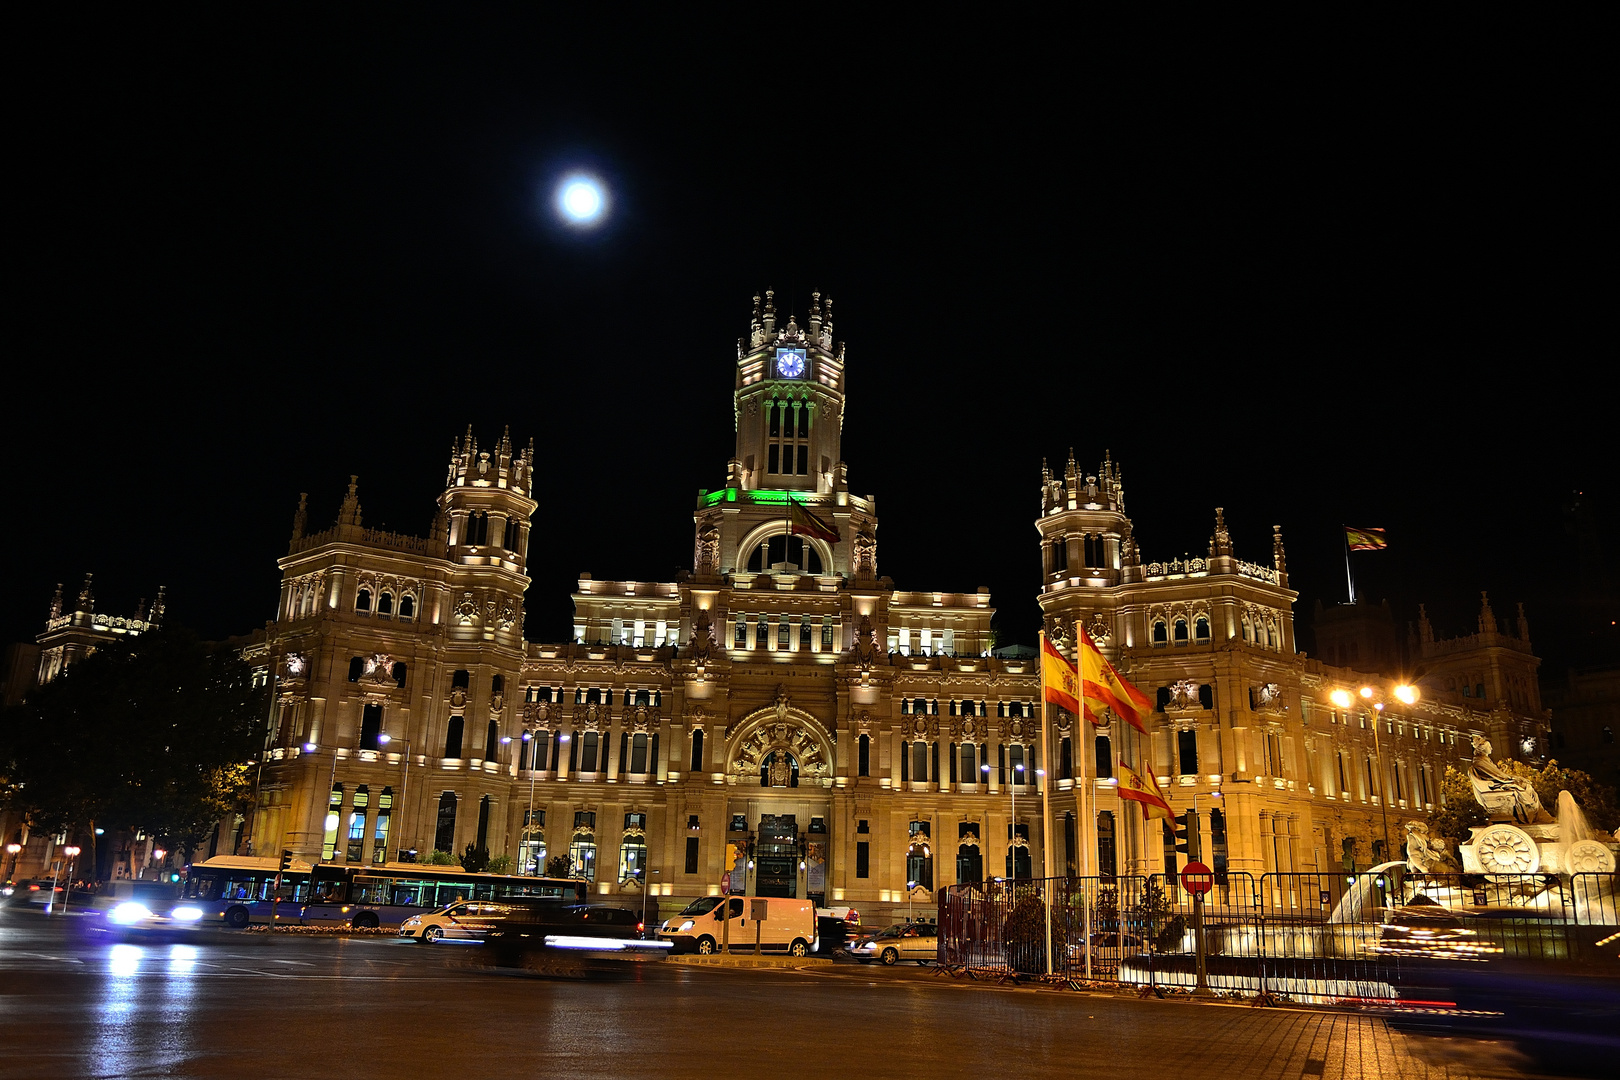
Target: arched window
357,668
362,600
355,847
407,607
385,604
334,807
1201,628
1060,556
1019,864
582,855
785,553
444,834
697,750
920,857
1181,631
779,769
398,672
1105,844
1161,633
969,862
452,738
477,529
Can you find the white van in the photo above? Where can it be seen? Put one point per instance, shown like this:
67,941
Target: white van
788,926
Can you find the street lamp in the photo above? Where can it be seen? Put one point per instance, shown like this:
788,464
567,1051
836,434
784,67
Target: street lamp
13,850
157,857
645,885
1406,694
1012,830
404,788
72,852
331,821
528,820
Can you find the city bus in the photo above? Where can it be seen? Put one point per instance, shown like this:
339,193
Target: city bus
240,889
385,896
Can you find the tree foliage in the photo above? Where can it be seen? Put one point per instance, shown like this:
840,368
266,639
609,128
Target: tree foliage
155,733
557,866
1458,811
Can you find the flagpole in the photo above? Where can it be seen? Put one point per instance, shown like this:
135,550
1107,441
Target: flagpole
1086,839
1045,776
1348,577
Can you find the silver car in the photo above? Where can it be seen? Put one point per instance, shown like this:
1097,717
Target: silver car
902,941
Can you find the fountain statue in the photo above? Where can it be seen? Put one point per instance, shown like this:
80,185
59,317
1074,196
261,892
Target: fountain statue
1521,837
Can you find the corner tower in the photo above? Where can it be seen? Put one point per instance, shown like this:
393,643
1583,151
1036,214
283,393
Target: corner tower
788,412
483,524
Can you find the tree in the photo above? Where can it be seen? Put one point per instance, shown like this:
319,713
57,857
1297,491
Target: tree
156,733
474,858
499,864
1458,811
557,866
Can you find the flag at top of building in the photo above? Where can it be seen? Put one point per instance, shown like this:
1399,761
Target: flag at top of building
801,522
1143,788
1103,685
1060,680
1365,539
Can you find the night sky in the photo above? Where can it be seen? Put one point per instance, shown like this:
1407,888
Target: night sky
1368,283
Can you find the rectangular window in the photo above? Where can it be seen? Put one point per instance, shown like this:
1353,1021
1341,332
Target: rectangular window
826,634
1187,747
863,859
784,630
588,752
762,630
775,453
919,761
638,754
741,636
970,774
370,725
804,461
691,855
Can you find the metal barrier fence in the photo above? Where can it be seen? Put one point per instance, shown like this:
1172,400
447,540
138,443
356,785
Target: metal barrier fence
1310,936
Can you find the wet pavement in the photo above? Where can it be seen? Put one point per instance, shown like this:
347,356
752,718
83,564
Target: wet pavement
226,1004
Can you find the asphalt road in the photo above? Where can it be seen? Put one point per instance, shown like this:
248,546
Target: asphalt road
249,1006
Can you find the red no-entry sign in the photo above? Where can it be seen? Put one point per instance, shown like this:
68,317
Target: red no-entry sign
1197,878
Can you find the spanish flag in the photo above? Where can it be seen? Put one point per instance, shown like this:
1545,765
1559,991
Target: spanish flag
1145,790
1061,682
1365,539
803,523
1105,686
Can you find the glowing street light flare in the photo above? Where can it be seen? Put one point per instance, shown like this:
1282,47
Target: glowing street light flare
1341,698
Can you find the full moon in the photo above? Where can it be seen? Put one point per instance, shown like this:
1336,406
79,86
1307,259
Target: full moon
581,200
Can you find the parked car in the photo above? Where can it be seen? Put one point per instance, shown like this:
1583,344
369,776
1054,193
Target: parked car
902,941
789,926
465,920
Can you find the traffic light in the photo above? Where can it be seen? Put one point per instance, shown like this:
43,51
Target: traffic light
731,857
1186,834
286,858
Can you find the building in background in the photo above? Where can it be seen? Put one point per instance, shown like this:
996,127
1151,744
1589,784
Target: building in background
782,701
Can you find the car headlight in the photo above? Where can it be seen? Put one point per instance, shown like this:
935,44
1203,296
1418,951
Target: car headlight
685,926
186,913
129,912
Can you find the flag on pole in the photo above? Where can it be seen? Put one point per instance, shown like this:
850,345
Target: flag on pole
802,522
1103,685
1144,788
1060,681
1365,539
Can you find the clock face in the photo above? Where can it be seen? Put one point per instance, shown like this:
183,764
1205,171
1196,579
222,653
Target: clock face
790,363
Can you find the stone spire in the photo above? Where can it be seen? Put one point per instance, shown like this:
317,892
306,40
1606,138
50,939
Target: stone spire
1425,628
87,599
769,319
1524,625
349,512
300,516
814,319
1279,558
56,602
1487,617
158,607
1221,543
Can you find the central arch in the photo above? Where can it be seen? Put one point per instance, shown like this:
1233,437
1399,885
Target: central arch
793,735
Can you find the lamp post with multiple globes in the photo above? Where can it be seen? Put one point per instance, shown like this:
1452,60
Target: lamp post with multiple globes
14,850
1406,694
404,788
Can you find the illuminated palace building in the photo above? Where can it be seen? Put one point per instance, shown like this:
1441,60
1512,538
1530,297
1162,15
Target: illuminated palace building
849,738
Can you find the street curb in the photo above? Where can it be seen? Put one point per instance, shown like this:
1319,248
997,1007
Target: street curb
720,960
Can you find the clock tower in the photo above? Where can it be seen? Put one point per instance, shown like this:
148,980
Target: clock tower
788,407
